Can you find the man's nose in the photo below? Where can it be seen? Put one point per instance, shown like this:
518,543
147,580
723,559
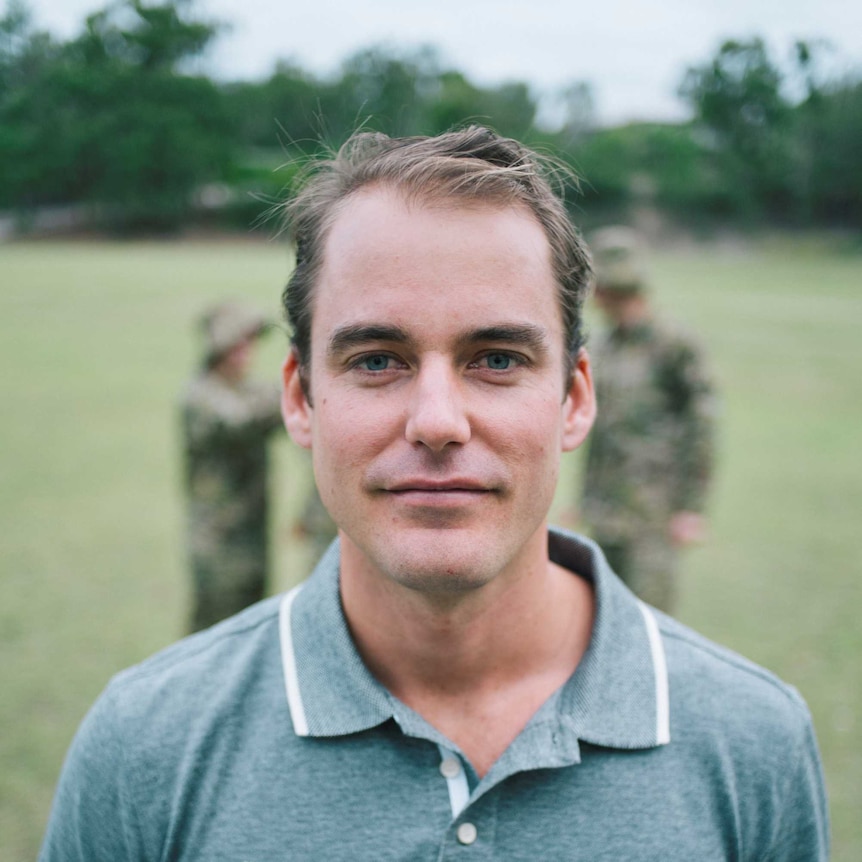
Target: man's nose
437,415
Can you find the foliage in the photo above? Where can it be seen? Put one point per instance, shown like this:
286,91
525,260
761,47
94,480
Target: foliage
737,97
383,90
378,88
115,120
831,125
776,157
109,119
284,110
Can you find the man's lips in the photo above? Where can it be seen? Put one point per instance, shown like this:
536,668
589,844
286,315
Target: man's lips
432,486
438,496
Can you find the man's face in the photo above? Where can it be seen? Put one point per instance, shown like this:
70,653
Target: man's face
437,378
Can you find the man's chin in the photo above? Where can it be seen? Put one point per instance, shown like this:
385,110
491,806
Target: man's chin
450,581
436,568
433,561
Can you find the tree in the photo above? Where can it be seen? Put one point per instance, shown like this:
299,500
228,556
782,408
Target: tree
833,125
27,58
382,89
283,110
24,52
455,101
737,97
578,103
111,119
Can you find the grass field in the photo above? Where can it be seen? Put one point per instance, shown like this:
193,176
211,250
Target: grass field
96,341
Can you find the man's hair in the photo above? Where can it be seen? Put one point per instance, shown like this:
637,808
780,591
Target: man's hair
473,165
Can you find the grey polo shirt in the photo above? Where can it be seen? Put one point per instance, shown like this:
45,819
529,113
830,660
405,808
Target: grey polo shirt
266,738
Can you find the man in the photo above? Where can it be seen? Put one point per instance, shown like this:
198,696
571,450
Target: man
453,681
651,451
227,419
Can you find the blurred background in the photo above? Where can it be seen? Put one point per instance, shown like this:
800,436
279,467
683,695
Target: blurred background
143,147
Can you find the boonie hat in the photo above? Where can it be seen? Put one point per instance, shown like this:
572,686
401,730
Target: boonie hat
226,325
618,259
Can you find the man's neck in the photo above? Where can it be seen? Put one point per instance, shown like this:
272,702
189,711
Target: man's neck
476,666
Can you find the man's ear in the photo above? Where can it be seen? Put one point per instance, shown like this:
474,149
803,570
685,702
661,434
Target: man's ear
295,409
579,407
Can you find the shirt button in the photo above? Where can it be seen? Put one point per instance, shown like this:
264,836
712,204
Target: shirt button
467,833
450,767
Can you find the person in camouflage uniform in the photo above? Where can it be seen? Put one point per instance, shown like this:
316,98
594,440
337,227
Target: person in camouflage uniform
227,419
650,453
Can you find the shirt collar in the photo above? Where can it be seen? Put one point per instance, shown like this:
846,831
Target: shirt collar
617,697
330,691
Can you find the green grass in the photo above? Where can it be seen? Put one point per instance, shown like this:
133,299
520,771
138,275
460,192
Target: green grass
96,342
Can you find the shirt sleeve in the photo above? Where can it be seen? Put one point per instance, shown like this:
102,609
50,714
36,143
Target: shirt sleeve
91,818
802,827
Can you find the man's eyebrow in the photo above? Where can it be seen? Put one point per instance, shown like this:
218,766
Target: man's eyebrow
356,334
521,334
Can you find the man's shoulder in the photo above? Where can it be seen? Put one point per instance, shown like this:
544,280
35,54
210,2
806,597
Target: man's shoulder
186,675
715,689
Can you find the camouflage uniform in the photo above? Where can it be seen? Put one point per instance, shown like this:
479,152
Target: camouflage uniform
226,425
650,452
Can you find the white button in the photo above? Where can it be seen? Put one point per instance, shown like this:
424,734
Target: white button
450,767
467,833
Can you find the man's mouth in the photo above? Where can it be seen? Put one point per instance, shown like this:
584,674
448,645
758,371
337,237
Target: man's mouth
436,493
437,486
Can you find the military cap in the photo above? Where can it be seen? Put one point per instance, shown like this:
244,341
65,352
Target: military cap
618,259
226,325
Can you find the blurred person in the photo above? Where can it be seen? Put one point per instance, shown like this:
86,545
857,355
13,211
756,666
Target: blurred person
455,679
227,420
651,451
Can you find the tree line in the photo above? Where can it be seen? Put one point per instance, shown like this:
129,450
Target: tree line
118,120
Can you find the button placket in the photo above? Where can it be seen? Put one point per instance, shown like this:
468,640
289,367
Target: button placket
450,767
452,770
472,836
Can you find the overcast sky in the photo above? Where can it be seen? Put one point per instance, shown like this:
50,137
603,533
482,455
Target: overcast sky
633,53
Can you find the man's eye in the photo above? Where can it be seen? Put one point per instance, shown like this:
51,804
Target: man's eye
376,362
498,361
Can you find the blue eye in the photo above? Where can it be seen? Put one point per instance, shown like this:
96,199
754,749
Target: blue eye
498,361
377,362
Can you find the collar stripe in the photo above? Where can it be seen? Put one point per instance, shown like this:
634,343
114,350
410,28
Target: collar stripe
288,662
459,789
659,664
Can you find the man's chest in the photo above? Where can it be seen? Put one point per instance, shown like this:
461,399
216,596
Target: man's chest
356,803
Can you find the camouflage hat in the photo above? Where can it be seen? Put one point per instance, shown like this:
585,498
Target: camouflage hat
226,325
618,259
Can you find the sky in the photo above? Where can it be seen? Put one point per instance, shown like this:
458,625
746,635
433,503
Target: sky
633,53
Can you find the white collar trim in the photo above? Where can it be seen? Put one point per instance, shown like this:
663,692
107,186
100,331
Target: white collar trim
659,664
288,663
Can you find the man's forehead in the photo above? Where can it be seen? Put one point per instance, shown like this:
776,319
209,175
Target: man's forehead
378,231
359,211
429,197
